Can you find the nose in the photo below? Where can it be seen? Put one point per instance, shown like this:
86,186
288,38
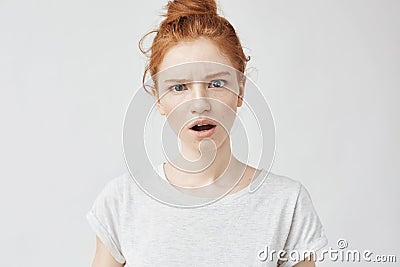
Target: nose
199,102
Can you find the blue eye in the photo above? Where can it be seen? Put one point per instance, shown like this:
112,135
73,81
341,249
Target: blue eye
178,87
217,83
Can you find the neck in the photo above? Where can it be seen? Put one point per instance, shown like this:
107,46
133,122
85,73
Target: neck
223,160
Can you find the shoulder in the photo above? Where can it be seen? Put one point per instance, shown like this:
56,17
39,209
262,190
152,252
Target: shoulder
118,188
290,186
280,190
120,181
114,198
282,180
282,184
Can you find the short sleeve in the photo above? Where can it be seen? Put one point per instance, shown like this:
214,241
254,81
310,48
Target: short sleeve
306,231
104,218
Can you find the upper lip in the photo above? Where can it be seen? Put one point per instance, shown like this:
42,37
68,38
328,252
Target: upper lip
201,121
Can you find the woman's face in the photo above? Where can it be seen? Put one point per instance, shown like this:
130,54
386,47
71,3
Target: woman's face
199,92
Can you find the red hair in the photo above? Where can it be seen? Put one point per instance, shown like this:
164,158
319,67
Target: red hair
187,20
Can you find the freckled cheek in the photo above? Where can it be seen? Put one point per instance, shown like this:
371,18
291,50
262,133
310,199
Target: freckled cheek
169,105
176,112
229,105
225,115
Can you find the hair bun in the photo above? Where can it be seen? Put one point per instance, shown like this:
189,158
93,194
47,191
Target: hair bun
182,8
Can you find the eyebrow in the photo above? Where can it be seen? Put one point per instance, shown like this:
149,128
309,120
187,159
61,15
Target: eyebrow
210,76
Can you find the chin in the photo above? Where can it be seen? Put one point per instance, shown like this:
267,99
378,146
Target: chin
212,144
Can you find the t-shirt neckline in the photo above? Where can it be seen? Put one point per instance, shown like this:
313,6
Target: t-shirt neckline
227,197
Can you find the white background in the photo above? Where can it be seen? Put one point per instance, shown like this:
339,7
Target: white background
68,69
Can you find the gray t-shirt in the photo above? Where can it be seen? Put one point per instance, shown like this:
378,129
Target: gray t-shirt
241,229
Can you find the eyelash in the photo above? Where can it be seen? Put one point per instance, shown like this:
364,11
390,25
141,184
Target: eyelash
209,85
223,83
172,87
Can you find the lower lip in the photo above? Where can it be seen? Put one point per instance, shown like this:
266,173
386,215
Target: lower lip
204,134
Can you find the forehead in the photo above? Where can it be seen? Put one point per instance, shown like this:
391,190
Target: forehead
201,49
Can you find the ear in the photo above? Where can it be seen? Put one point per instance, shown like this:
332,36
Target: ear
160,107
242,83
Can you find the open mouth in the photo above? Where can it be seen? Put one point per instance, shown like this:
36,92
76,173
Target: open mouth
202,127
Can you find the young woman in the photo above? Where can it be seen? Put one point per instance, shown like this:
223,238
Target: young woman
241,229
